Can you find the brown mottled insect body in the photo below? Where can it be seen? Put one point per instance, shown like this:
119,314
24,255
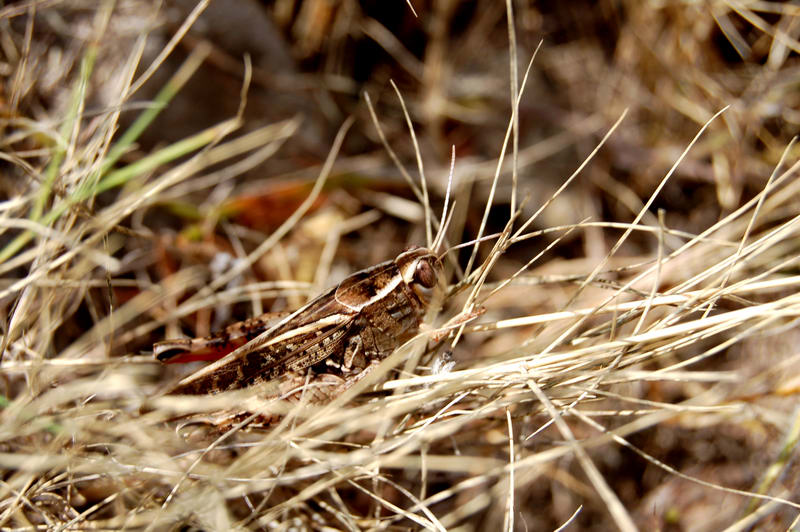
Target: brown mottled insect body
334,340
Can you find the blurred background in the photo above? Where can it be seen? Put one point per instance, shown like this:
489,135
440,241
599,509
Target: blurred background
672,65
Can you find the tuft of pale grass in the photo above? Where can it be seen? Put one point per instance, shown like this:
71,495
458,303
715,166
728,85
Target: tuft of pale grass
568,375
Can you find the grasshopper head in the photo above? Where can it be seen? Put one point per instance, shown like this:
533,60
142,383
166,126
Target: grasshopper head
420,268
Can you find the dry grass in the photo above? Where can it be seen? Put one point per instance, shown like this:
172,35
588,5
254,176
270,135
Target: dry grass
636,363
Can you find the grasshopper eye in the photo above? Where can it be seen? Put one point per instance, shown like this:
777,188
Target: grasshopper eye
425,274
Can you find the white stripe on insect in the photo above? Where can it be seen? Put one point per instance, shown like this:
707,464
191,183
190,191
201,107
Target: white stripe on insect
380,294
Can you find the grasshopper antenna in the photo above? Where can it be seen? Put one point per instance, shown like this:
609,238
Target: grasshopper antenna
445,216
465,244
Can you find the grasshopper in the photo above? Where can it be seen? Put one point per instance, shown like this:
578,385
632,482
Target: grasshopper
331,342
